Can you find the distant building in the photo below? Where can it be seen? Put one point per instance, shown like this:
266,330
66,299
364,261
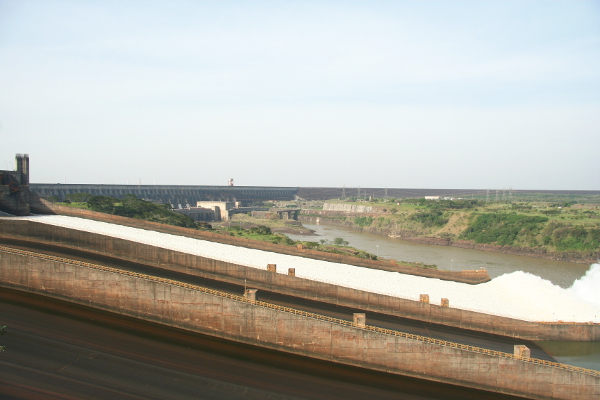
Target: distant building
220,208
217,211
277,213
198,213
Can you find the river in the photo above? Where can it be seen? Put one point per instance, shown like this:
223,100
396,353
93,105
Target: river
560,273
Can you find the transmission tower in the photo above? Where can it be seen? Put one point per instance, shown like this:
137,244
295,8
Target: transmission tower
496,196
487,196
344,192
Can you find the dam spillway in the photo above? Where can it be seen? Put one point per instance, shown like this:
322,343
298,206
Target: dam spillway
263,324
517,295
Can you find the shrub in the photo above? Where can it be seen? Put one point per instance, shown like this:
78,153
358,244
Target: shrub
502,229
261,230
430,218
363,221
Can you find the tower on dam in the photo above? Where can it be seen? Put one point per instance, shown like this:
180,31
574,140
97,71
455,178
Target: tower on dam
15,197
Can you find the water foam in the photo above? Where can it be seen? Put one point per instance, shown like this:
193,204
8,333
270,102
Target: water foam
587,288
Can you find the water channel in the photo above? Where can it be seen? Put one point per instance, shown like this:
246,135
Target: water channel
563,274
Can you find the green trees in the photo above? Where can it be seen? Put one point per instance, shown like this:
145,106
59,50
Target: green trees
312,245
514,229
103,204
503,229
340,242
430,218
363,221
78,197
132,207
575,238
261,230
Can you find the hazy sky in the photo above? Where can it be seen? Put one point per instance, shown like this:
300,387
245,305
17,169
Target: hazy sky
414,94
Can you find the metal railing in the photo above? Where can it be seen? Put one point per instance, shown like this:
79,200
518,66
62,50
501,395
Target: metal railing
306,314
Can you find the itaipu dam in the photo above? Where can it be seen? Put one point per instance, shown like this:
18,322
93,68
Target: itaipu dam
517,307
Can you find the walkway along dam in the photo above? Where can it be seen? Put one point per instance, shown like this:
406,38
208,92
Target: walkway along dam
245,319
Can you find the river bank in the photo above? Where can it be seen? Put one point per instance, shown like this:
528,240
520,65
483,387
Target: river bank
339,219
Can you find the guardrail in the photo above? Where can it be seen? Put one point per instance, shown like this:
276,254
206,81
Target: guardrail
298,312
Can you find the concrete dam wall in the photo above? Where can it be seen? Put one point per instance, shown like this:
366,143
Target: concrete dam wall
293,286
261,324
171,194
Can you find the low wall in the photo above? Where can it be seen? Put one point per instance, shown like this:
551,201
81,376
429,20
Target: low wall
44,207
291,285
232,318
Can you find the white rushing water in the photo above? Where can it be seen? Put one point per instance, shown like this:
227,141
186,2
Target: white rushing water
517,295
587,288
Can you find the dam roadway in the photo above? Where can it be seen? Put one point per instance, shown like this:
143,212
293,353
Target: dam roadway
436,331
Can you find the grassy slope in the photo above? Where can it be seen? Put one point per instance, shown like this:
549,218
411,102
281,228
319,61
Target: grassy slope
555,227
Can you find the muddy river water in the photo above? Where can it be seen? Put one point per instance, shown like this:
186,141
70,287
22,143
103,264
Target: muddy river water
560,273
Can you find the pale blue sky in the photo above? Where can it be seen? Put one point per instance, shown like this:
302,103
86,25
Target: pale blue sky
428,94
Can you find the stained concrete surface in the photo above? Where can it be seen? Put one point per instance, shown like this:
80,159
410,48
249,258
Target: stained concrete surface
457,335
57,350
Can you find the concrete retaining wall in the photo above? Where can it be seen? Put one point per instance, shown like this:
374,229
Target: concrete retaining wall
248,323
294,286
352,208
